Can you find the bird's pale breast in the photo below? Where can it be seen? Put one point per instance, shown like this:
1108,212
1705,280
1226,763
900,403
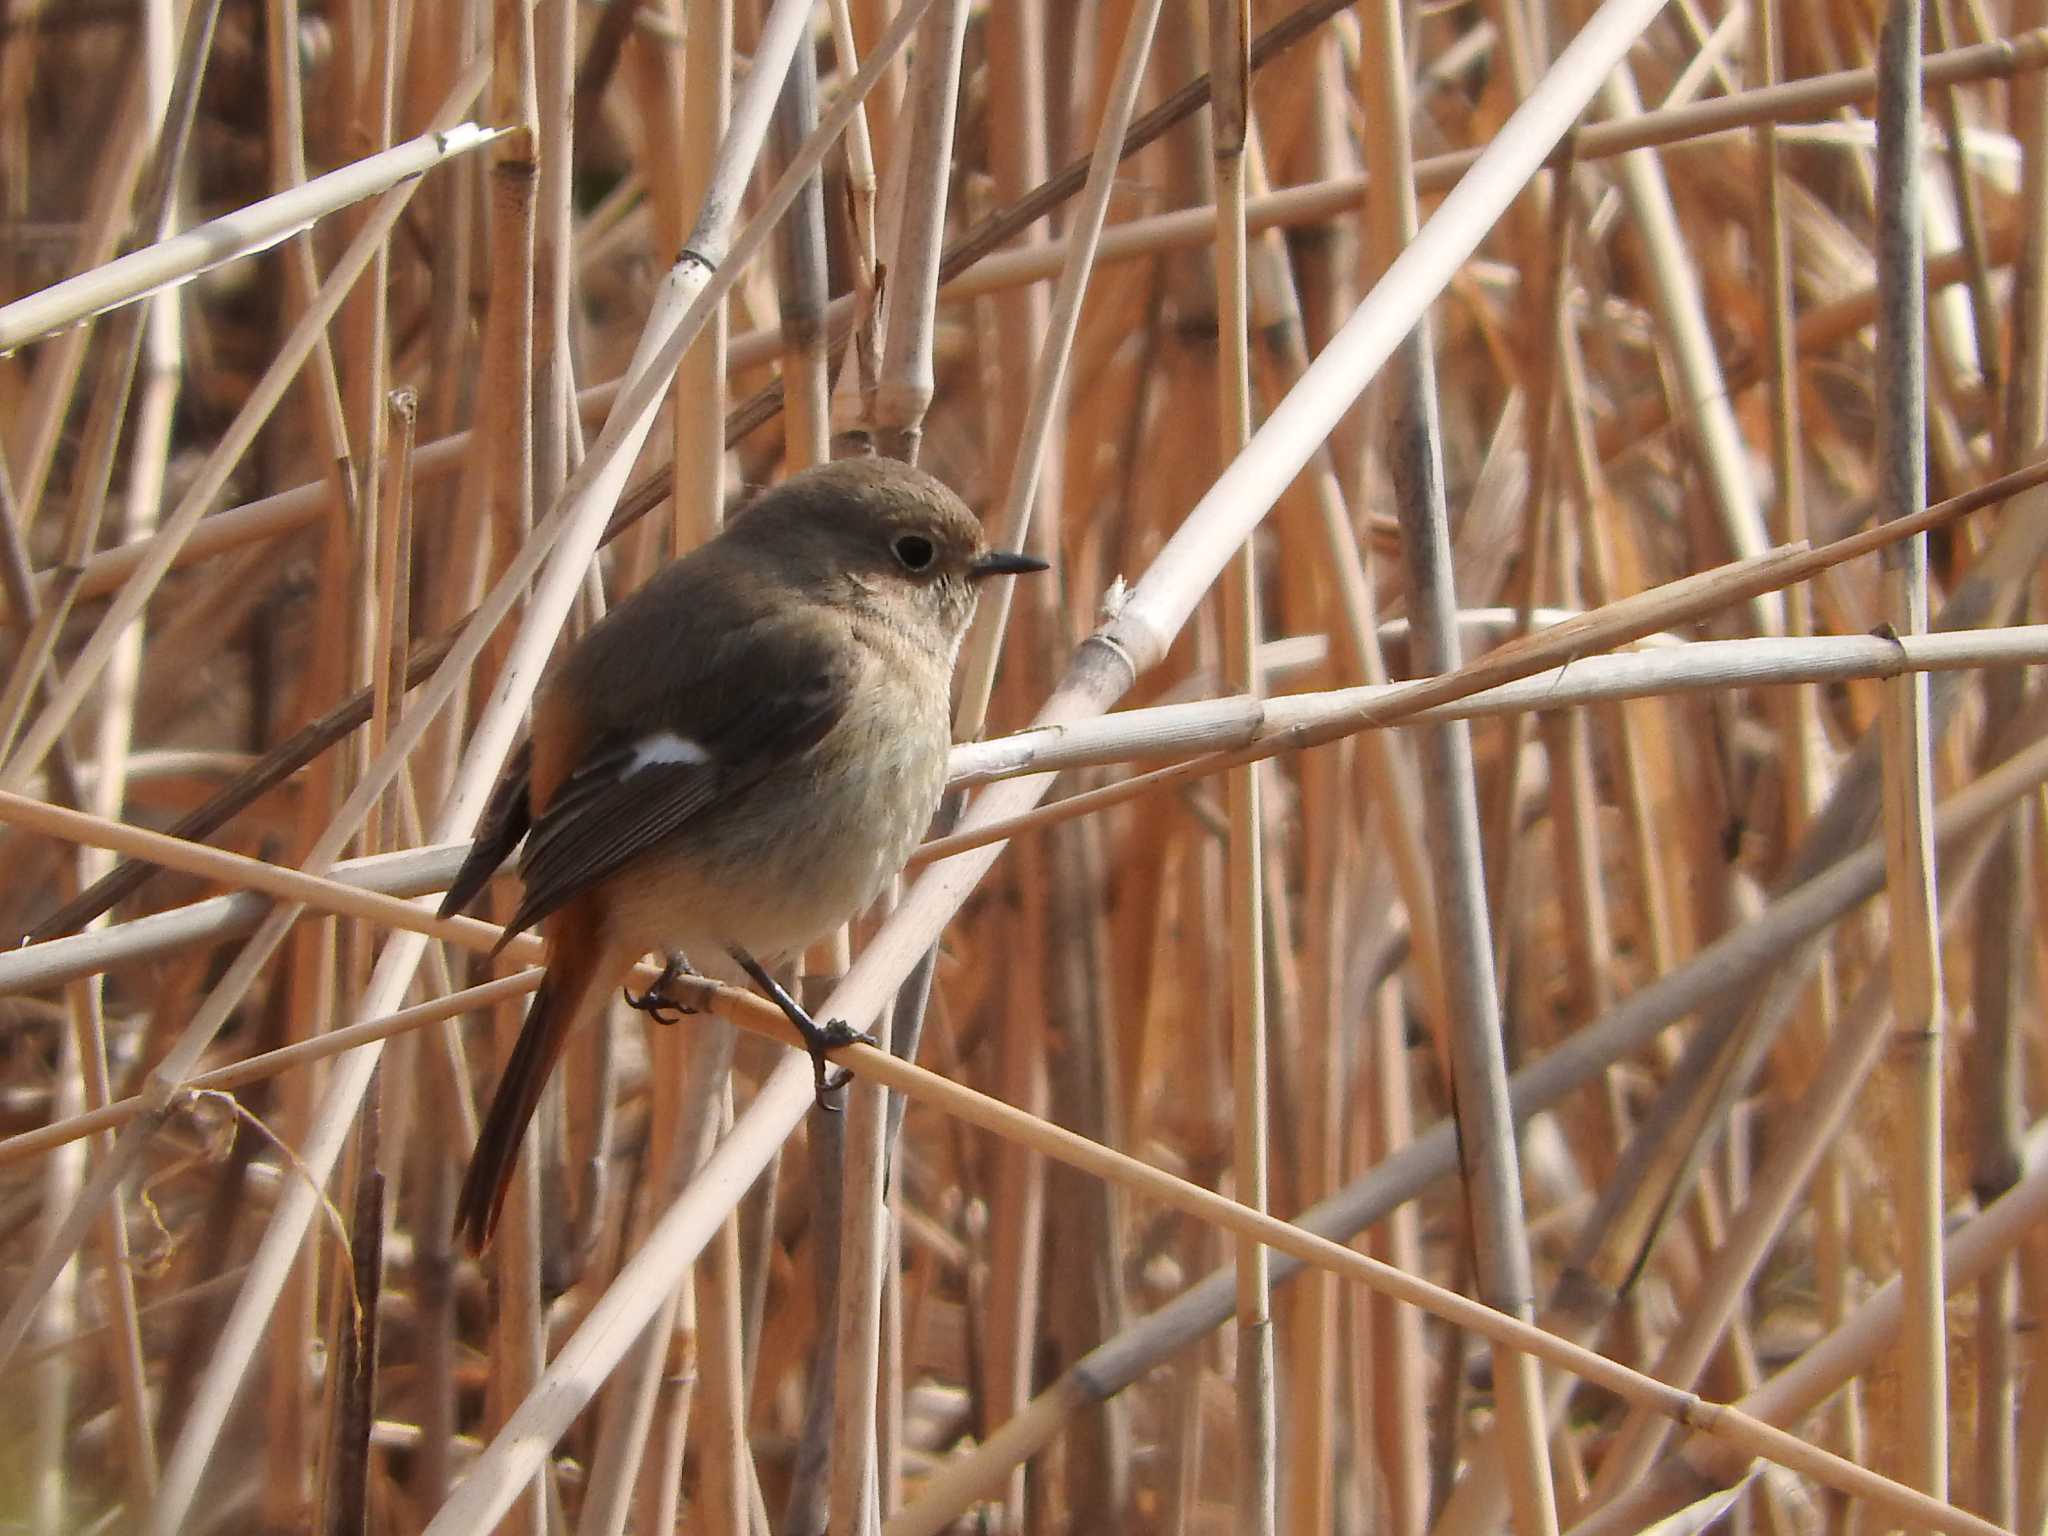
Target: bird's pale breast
815,841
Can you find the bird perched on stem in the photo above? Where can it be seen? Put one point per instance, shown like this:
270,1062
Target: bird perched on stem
731,763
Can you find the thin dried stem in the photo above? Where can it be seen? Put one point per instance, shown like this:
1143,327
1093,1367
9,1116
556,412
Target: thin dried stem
1258,1427
1907,737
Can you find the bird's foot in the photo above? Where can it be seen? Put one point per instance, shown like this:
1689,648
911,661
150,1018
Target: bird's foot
659,1001
820,1040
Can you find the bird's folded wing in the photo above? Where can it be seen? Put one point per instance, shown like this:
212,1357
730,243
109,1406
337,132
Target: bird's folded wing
505,821
698,754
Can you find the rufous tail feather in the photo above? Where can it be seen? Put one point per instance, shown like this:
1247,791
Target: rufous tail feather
578,980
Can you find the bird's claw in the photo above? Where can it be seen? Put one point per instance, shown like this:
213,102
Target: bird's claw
658,1002
820,1040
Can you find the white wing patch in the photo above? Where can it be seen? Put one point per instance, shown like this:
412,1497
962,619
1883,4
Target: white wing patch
662,749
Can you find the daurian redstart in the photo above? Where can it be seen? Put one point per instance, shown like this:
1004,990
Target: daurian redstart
732,762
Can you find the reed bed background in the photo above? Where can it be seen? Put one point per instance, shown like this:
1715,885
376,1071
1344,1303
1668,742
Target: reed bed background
1549,710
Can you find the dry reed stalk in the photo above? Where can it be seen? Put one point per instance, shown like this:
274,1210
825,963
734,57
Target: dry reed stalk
505,434
1736,1429
1994,1083
653,1398
1698,1468
33,444
1995,1131
725,1465
690,1101
1172,730
904,387
1088,979
801,293
1800,720
1906,745
894,408
1682,318
1013,1294
1490,1163
2031,1495
1853,1055
1257,1472
1730,960
605,473
861,191
1134,639
1312,1023
1394,1344
802,283
2020,57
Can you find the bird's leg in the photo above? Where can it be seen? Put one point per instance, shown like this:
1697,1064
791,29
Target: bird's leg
819,1039
658,1001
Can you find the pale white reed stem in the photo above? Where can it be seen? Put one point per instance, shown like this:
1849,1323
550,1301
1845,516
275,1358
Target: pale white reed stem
256,227
907,379
1197,728
1471,1043
860,153
1135,640
409,872
1162,732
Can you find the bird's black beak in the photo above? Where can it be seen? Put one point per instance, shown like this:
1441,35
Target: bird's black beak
1001,562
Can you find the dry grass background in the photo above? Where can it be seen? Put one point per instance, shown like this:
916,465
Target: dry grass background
1766,1050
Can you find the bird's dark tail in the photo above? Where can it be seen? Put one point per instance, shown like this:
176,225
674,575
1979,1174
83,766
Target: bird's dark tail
580,974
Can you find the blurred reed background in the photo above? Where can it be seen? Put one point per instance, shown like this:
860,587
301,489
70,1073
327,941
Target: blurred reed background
342,370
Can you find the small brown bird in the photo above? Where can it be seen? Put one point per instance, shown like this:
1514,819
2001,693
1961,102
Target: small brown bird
732,762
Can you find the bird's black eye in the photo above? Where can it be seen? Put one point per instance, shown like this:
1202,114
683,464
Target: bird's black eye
914,550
